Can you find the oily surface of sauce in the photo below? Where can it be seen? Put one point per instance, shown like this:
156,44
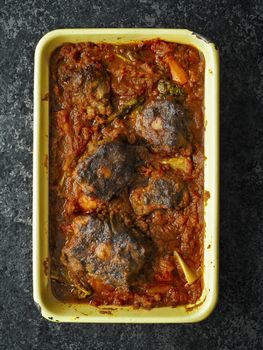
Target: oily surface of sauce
126,172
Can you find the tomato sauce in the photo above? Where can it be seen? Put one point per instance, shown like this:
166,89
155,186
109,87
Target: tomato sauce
126,173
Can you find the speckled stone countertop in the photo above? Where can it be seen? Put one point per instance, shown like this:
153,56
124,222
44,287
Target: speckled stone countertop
237,28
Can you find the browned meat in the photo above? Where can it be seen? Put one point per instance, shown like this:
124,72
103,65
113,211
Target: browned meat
162,124
105,250
159,194
108,171
86,83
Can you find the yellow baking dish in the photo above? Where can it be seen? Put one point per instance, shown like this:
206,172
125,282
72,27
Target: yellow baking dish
50,307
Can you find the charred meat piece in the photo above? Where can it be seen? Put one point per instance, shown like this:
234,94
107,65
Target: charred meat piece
108,170
86,84
106,250
162,124
160,193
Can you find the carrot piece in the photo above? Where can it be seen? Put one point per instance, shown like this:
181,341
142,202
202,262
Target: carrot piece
87,203
179,75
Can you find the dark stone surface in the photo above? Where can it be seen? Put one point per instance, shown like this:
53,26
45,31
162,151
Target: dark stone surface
237,29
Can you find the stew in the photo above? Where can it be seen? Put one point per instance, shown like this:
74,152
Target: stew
126,173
